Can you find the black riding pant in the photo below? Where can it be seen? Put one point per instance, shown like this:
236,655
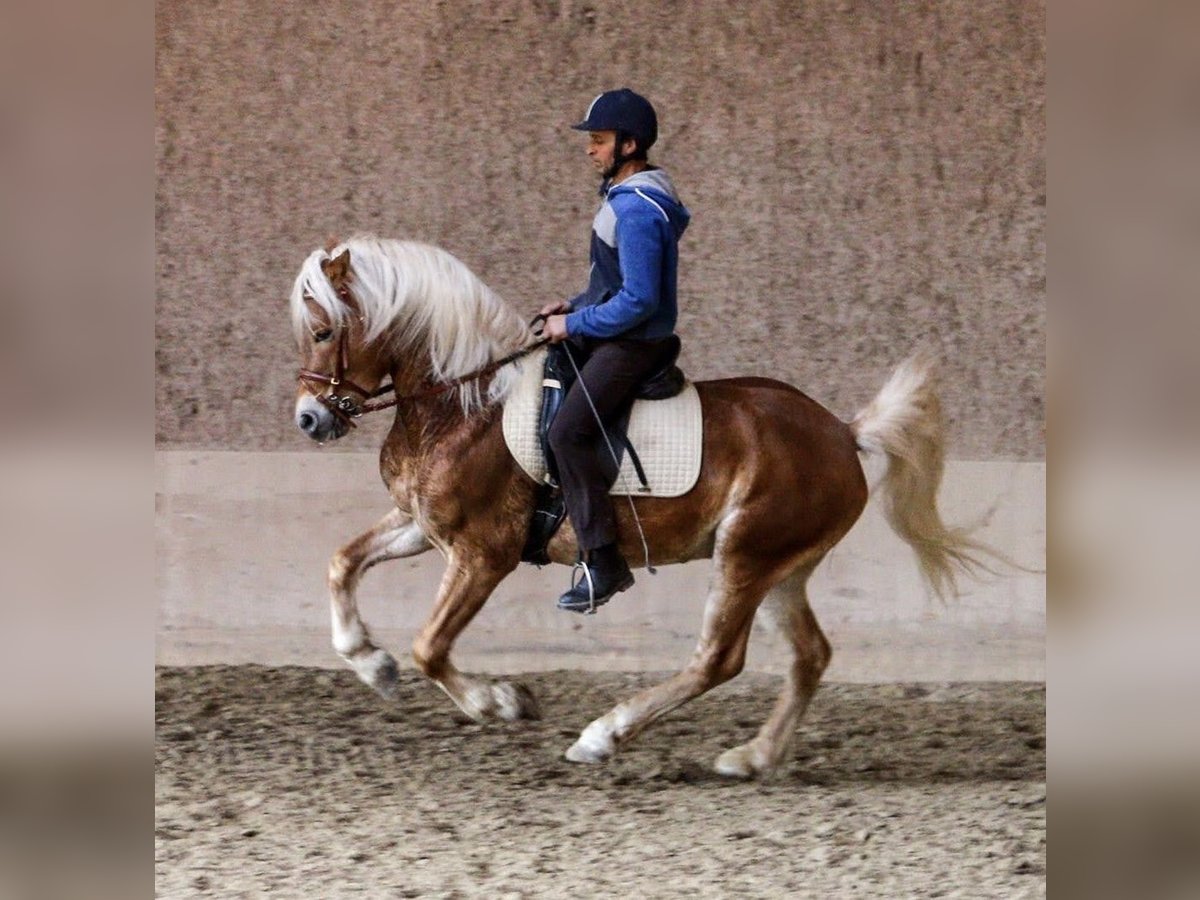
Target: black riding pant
612,373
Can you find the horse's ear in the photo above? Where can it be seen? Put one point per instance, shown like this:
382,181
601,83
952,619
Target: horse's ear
337,269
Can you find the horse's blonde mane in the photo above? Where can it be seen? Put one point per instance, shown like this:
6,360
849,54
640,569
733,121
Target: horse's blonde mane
415,296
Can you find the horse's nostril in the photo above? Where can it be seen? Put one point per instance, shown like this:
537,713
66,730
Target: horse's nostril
307,422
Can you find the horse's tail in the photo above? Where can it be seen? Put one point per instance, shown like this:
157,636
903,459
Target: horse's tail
905,423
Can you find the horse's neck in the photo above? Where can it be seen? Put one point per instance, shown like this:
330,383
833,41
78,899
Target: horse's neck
410,379
428,432
423,425
433,445
431,426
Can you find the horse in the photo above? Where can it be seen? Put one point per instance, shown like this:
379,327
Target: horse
782,481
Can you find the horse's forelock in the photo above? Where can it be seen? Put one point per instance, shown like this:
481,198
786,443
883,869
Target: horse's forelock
312,283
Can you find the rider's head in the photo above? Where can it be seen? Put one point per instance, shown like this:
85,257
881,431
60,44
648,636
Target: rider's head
633,125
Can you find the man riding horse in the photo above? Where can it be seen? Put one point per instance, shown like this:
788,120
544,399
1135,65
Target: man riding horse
781,481
619,330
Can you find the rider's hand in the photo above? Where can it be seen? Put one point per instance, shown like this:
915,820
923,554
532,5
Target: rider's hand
556,329
554,308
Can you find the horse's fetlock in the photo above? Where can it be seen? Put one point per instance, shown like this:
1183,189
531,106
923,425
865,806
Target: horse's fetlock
350,640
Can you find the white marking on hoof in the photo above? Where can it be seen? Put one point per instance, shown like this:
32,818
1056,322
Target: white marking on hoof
741,762
515,701
379,670
477,702
595,745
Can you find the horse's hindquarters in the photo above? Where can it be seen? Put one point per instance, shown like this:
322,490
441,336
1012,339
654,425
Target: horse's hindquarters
776,463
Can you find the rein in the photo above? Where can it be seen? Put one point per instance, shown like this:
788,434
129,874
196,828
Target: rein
348,409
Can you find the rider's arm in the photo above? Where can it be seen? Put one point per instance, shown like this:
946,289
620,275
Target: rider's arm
642,233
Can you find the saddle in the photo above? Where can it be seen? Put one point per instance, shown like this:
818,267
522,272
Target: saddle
557,378
559,374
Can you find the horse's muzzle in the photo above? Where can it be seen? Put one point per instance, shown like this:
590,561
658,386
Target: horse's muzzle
315,420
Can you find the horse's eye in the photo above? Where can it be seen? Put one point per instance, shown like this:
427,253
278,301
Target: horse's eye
323,335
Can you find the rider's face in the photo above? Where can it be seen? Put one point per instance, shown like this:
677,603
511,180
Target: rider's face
601,149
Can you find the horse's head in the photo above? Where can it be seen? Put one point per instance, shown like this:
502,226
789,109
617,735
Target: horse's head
339,369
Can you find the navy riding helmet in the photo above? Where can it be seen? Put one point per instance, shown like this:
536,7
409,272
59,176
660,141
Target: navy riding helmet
623,111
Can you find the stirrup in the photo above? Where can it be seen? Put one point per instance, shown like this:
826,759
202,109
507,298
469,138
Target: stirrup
573,600
575,581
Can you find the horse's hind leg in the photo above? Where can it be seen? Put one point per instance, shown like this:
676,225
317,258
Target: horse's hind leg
738,587
787,603
394,536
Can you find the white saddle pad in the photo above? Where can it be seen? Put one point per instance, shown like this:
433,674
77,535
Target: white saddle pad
665,433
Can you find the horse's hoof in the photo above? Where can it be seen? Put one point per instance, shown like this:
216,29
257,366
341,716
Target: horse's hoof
595,745
740,762
479,702
515,702
578,753
389,691
380,672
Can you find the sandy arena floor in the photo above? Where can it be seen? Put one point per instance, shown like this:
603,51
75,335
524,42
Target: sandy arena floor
301,783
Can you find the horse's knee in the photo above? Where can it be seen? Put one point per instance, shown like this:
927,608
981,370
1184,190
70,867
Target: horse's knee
822,653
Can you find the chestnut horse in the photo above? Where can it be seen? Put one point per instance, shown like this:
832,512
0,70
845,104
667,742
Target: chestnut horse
781,484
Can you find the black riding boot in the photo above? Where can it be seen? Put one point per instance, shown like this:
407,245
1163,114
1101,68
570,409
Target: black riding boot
608,575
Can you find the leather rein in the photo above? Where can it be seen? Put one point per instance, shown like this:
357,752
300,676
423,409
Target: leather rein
347,408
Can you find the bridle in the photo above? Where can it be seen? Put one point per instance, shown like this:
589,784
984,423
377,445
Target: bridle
346,408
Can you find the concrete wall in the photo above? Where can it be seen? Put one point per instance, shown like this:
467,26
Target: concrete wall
864,176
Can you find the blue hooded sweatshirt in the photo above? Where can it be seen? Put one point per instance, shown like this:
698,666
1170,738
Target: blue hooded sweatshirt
635,261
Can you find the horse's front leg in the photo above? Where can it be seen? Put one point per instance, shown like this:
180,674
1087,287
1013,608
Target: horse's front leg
465,587
393,537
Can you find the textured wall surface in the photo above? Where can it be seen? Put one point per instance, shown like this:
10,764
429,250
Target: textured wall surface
864,177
